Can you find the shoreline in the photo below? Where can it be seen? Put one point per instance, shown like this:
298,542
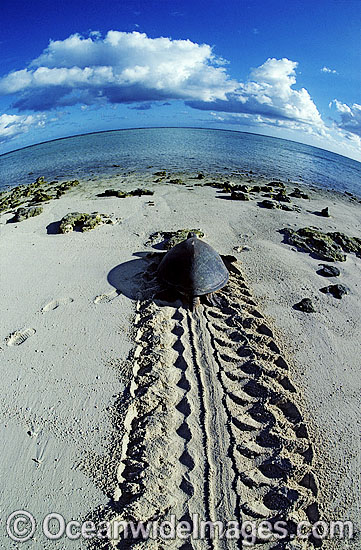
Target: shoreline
63,377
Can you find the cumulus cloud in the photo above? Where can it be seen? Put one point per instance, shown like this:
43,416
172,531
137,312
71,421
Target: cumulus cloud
12,126
269,94
121,68
328,70
350,118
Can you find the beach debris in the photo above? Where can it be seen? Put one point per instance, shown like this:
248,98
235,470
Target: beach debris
123,194
329,247
168,239
298,194
24,213
305,305
337,290
84,222
328,271
193,268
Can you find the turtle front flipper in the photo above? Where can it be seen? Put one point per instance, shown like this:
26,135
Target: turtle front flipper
194,302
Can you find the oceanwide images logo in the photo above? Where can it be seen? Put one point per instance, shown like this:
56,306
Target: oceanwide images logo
21,526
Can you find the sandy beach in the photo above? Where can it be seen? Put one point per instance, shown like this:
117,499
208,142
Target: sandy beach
119,404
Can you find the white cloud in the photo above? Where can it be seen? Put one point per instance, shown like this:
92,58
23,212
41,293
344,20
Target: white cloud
12,126
350,119
269,94
123,67
328,70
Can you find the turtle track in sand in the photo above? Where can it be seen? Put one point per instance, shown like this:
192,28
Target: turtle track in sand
213,425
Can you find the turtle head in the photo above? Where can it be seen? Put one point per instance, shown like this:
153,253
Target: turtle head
191,235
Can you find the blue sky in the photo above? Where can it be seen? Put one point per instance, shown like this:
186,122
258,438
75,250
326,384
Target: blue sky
288,69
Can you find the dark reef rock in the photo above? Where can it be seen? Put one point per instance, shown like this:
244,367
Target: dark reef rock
281,196
24,213
33,193
83,222
325,212
167,239
177,181
298,194
267,204
323,245
337,291
239,196
328,271
305,305
348,244
124,194
200,176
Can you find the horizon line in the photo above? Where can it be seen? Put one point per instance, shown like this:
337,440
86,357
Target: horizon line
174,127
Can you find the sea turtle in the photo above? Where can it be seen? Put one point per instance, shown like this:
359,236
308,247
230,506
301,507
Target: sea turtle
194,269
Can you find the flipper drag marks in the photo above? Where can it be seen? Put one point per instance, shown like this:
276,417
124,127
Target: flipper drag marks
213,426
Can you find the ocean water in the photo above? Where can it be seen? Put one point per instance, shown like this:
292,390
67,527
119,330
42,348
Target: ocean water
180,150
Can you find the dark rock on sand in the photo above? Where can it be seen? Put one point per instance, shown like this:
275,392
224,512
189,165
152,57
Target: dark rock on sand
325,212
200,176
83,221
41,196
267,204
337,291
348,244
24,213
124,194
328,271
290,208
305,305
298,194
177,181
239,196
281,196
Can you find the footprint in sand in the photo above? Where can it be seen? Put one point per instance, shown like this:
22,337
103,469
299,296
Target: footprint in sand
19,336
106,298
55,304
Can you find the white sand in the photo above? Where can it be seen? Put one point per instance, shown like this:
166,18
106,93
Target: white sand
61,441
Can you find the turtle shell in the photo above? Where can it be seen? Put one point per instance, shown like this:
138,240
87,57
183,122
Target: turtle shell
193,268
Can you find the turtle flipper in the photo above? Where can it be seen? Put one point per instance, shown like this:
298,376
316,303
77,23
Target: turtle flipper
194,302
212,299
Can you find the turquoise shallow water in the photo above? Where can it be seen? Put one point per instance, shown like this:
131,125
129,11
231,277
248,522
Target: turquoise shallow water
179,150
